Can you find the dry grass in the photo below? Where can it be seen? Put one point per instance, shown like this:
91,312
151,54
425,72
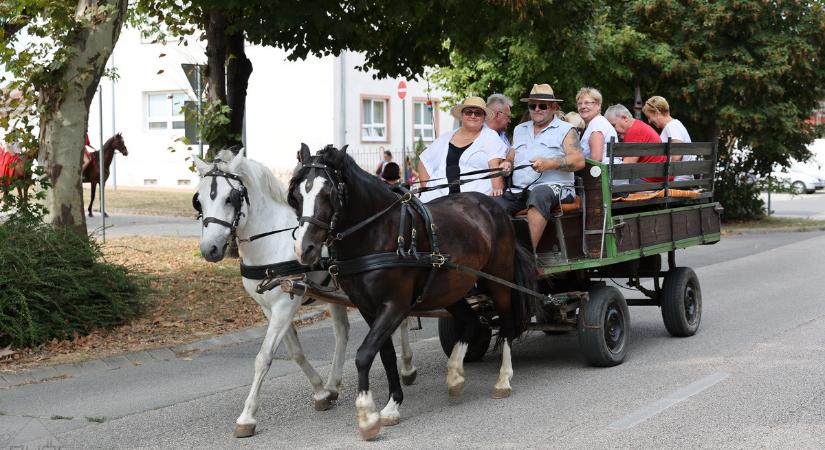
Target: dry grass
194,299
155,202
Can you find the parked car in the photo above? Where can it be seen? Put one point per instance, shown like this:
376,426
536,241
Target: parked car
799,179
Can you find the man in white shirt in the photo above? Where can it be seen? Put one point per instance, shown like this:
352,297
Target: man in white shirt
553,149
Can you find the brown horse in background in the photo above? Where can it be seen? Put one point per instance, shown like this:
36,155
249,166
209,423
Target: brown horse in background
91,166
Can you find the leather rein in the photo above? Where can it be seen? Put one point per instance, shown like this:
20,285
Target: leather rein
403,256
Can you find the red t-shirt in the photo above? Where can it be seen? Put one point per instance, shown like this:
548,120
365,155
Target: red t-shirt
642,132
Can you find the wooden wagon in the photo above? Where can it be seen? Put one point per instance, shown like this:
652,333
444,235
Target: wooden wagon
615,230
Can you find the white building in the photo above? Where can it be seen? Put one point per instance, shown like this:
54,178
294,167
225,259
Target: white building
287,103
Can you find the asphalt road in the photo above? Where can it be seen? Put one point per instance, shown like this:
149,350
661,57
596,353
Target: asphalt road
754,376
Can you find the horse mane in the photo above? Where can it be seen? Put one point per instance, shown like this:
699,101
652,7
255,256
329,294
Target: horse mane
374,190
255,175
110,142
354,174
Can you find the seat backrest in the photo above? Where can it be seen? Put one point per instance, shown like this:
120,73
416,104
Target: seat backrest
700,172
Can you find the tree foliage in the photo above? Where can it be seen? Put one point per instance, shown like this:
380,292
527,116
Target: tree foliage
746,72
397,38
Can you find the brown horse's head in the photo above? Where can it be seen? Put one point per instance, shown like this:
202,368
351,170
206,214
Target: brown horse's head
119,144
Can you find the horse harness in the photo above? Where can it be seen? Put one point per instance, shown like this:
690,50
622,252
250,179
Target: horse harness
237,196
403,256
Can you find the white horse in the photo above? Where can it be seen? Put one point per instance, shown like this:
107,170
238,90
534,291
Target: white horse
240,198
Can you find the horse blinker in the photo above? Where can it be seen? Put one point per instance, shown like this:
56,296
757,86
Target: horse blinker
196,203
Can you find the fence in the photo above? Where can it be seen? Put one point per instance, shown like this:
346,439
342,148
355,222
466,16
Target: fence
366,157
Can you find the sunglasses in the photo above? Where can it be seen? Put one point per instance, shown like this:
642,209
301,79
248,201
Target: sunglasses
473,112
541,106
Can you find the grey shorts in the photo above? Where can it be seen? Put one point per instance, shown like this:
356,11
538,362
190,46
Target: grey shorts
545,198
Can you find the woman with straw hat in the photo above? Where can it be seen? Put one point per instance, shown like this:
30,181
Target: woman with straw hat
470,147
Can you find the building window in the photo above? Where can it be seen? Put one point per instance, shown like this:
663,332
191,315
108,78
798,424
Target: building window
423,116
165,111
374,120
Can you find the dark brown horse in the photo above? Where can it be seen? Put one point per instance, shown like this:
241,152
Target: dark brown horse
332,195
91,168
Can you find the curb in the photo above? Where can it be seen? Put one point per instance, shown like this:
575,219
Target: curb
39,375
773,230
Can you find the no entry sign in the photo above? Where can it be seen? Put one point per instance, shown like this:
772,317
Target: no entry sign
402,89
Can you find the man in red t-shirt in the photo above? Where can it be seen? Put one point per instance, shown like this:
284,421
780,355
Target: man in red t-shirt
634,130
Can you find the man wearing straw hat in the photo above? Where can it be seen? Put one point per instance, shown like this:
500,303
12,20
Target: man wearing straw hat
551,146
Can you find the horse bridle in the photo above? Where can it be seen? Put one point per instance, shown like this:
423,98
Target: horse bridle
337,195
236,198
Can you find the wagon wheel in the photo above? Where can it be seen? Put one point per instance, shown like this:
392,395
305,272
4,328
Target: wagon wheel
604,324
681,302
478,346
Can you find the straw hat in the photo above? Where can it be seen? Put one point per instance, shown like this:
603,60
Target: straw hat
470,102
542,92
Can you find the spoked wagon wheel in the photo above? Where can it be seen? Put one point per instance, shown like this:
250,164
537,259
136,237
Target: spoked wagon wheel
604,324
448,337
681,302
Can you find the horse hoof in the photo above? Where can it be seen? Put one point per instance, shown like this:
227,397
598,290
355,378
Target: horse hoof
244,431
333,395
499,393
409,378
456,391
370,432
323,404
389,421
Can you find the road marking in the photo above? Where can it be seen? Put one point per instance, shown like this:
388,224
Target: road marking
644,413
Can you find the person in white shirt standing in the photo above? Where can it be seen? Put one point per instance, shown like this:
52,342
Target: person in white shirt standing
657,111
599,131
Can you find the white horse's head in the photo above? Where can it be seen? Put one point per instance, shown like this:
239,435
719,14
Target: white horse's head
222,201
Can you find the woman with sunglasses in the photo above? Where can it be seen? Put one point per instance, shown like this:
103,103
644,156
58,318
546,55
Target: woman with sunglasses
470,147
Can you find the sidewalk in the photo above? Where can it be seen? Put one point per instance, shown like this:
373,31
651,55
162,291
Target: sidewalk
808,206
256,334
118,225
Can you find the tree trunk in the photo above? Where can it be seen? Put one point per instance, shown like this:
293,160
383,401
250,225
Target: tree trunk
238,70
216,55
65,109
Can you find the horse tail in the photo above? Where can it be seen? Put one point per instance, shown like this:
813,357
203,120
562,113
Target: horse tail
524,306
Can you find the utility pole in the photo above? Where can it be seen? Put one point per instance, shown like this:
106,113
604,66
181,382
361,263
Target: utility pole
100,162
114,130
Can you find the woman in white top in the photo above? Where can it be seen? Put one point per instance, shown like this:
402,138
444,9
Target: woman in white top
599,131
657,111
470,147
